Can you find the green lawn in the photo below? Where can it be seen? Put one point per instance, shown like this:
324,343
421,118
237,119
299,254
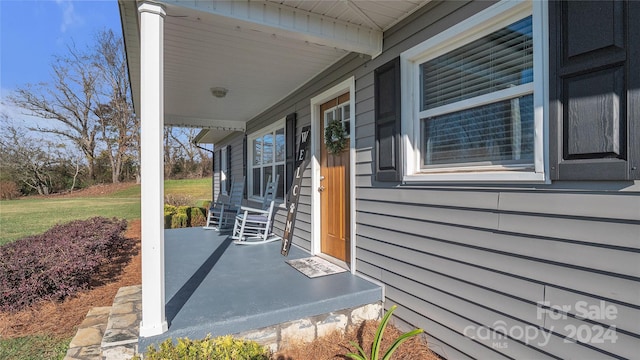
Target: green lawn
198,189
34,348
30,216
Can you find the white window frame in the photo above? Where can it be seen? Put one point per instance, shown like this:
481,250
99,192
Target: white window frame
280,124
483,23
343,109
224,170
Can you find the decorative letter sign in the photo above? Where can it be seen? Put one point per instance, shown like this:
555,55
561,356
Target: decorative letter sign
294,192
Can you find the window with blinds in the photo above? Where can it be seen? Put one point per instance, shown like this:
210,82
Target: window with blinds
476,102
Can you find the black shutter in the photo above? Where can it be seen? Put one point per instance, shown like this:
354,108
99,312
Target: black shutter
228,184
594,90
244,163
290,145
213,174
387,121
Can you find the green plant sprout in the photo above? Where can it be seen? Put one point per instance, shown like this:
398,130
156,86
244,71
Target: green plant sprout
377,340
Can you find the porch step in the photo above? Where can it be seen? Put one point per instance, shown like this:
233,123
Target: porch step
85,345
110,332
120,340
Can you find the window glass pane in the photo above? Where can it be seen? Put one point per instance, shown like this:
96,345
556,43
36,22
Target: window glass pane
338,113
495,133
224,169
256,182
257,151
280,170
268,172
267,153
328,117
280,145
495,62
344,109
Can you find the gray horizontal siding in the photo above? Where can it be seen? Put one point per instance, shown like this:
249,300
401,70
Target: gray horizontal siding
447,324
302,228
481,277
235,141
414,310
424,279
627,318
236,156
470,273
620,206
481,231
597,231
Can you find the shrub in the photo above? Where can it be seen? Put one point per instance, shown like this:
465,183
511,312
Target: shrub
57,263
197,216
8,190
182,210
168,217
183,216
179,200
179,220
220,348
170,209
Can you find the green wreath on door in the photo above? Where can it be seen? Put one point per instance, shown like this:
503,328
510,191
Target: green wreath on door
335,137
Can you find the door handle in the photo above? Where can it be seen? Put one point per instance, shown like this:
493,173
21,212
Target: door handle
321,177
320,188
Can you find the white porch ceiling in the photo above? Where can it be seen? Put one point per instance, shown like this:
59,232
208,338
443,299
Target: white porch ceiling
261,51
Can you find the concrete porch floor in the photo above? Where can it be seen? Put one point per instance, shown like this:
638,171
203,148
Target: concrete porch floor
216,287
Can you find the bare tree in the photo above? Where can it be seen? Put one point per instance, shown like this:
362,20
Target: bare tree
119,127
169,152
194,159
67,104
32,166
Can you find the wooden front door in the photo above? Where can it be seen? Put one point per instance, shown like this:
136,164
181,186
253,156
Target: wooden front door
334,185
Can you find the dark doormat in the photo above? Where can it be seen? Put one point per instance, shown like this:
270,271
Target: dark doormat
315,266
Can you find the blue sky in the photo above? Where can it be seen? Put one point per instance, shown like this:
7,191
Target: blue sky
33,31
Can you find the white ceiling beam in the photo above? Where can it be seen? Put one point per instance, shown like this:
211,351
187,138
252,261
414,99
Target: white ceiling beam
202,123
284,21
211,136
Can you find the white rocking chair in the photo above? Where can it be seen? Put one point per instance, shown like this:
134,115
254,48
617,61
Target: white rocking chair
222,212
253,223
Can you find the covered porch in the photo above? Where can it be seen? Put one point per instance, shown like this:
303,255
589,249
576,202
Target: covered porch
216,287
216,66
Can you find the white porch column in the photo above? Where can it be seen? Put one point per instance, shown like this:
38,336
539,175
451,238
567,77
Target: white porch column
154,321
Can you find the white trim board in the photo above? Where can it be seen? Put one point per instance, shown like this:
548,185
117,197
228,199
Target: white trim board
339,89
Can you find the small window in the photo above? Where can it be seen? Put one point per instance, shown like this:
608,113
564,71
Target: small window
340,113
267,158
476,88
